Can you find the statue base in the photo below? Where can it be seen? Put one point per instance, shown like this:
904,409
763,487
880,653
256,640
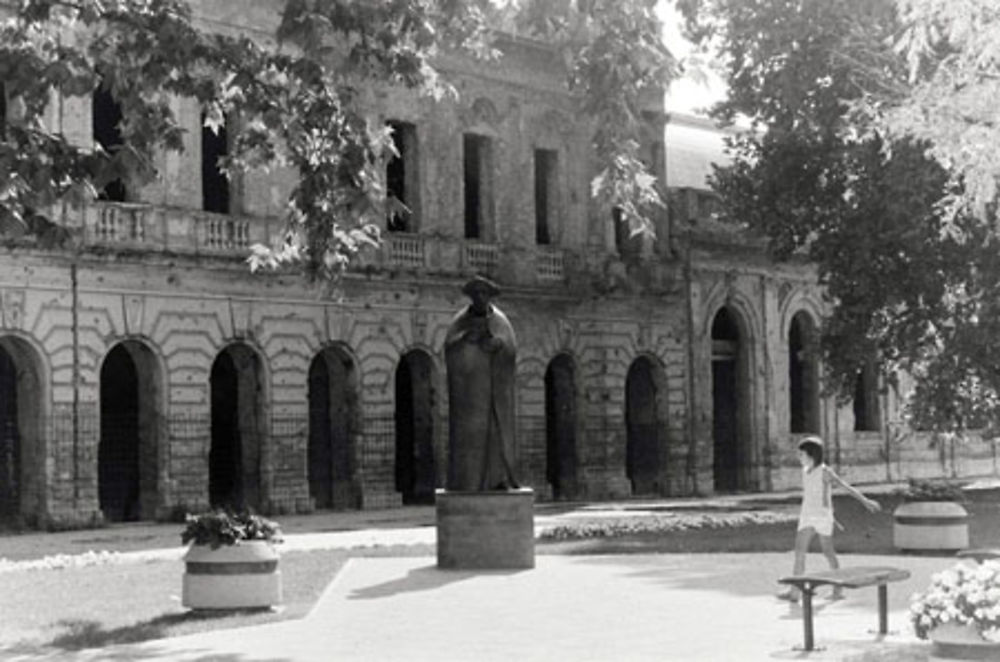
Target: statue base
486,530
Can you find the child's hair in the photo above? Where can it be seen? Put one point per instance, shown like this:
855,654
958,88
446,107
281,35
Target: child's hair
813,447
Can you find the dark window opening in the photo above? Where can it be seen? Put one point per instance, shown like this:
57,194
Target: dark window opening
3,111
401,178
546,162
476,158
803,386
560,428
106,121
214,184
621,229
10,440
626,243
866,404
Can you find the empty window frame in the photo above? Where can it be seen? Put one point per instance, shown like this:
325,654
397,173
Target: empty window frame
402,177
867,413
477,159
106,118
546,194
215,193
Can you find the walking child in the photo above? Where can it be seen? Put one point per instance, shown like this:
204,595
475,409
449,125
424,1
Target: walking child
816,516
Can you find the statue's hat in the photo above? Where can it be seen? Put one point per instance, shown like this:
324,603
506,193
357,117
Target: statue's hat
482,284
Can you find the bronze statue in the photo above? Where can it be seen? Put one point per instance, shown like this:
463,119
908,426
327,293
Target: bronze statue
480,351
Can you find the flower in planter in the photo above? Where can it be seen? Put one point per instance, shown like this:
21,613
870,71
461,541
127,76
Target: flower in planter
964,594
223,527
931,490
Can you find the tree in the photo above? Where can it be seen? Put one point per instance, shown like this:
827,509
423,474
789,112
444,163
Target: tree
910,282
948,97
298,100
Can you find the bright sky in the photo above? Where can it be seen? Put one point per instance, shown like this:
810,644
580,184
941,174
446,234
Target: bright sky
690,94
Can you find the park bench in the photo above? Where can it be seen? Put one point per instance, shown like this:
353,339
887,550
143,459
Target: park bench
855,577
980,555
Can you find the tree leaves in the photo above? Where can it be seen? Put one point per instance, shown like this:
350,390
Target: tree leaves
297,104
911,280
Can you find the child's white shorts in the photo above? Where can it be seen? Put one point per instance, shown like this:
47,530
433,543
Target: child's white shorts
823,525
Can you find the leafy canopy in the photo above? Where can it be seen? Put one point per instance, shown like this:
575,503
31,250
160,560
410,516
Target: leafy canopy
298,100
910,279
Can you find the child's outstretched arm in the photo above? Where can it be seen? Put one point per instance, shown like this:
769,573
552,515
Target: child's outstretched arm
871,505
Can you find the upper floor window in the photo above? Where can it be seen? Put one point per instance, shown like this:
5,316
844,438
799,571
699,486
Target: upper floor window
106,119
626,243
215,194
867,413
402,180
477,160
546,190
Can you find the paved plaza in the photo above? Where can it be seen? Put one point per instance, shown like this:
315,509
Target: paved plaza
667,607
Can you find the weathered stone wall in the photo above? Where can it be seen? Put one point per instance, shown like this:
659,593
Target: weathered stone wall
161,273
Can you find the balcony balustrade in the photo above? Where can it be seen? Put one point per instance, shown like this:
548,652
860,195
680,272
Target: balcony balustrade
144,227
405,251
481,258
549,264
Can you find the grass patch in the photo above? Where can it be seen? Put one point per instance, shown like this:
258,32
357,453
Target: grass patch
48,611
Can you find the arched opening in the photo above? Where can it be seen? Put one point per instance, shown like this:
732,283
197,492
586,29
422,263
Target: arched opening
415,466
560,427
332,428
646,428
730,399
867,412
22,452
127,453
238,426
803,375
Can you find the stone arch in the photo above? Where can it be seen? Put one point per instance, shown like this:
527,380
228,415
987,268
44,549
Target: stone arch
23,447
646,426
416,425
238,426
561,426
334,429
130,453
732,393
803,374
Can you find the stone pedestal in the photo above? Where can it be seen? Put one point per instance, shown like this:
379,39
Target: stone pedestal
486,530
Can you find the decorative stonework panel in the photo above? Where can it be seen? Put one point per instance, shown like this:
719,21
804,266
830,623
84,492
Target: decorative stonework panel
13,309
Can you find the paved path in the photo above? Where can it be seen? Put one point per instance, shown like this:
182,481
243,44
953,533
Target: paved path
674,607
623,608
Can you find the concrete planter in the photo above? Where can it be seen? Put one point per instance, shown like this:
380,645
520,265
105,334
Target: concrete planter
930,526
961,641
240,576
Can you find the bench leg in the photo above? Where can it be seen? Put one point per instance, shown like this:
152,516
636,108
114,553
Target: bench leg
807,615
883,608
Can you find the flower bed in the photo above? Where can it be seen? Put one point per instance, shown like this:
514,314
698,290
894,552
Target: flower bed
614,527
965,594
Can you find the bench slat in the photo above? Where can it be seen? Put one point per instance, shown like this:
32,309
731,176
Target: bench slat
855,577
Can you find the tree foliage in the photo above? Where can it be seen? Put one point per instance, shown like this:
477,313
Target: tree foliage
911,280
298,100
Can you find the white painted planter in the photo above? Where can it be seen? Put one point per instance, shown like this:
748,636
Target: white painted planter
240,576
930,526
954,641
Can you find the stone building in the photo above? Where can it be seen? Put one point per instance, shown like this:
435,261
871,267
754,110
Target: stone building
145,371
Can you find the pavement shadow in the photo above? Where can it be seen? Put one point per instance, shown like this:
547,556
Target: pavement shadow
83,634
426,578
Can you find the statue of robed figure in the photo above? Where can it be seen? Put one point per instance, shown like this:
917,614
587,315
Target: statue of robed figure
480,353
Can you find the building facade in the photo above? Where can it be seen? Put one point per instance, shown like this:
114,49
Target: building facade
145,372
